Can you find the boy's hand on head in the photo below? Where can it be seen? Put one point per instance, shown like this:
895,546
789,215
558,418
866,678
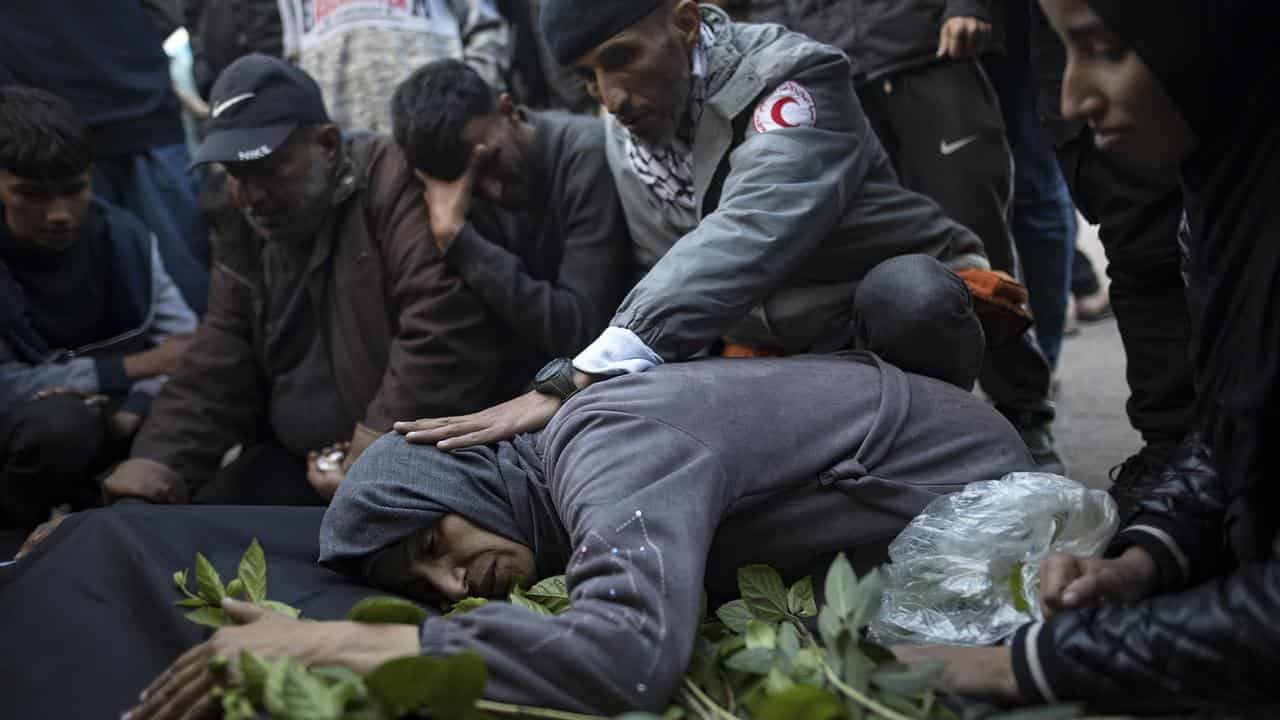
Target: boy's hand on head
448,202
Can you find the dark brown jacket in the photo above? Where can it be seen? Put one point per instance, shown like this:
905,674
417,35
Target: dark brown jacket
408,340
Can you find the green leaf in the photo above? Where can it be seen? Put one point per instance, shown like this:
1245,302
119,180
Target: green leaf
273,688
639,716
800,600
252,572
775,682
286,610
306,697
807,667
841,588
192,602
236,706
801,702
336,674
208,583
235,589
551,593
763,591
180,582
253,673
1016,588
870,594
446,687
761,635
909,680
856,669
899,703
387,611
757,661
788,641
519,600
466,605
675,712
735,615
209,616
830,625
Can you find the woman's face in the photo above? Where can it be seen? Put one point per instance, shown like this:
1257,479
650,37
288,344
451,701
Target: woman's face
1108,85
455,559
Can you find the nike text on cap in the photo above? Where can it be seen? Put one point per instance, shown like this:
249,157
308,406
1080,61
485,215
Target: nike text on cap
255,104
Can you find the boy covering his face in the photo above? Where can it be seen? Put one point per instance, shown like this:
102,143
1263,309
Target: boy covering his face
522,206
91,324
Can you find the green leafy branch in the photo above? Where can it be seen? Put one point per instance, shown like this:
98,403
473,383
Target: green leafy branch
773,654
249,585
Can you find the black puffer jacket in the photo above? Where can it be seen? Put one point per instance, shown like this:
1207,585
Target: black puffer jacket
880,36
1209,639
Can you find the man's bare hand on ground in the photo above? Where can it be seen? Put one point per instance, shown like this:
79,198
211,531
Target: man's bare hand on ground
144,480
964,38
1068,582
982,672
37,536
185,689
528,413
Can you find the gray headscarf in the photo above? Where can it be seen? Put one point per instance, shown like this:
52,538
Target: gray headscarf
396,488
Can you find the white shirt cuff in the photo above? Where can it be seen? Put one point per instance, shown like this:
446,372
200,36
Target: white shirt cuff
617,351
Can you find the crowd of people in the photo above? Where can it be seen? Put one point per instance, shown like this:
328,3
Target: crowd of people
459,294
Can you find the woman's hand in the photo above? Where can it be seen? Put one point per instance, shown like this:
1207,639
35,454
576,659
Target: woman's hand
980,672
184,690
1068,582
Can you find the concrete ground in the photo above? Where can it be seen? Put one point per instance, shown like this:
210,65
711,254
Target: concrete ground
1092,429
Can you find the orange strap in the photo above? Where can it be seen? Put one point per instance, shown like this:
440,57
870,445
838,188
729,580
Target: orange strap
738,350
1000,302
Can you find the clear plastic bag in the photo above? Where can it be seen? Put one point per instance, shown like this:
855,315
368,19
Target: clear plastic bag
966,571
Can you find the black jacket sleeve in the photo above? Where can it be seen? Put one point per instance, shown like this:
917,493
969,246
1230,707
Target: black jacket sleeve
1180,523
1216,644
1209,638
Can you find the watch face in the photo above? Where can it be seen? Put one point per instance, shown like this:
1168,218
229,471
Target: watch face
548,372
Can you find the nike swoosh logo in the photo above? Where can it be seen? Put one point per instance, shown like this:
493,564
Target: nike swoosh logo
232,102
951,148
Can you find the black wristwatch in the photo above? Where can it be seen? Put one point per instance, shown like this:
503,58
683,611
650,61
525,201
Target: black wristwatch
556,379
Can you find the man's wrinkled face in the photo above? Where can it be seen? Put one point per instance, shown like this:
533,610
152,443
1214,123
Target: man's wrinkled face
500,146
1108,85
455,559
286,195
643,75
45,214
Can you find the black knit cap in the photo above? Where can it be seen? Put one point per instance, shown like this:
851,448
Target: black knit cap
573,27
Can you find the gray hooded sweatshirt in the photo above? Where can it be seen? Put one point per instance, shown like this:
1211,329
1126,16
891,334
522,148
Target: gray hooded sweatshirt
646,487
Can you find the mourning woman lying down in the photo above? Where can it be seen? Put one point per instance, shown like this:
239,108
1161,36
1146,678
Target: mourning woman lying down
643,490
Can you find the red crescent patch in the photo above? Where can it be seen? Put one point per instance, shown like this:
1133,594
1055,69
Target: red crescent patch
790,106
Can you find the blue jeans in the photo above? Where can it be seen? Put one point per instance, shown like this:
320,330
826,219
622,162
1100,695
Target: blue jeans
154,185
1044,216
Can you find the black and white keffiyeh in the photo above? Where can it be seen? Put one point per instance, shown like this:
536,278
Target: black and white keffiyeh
667,170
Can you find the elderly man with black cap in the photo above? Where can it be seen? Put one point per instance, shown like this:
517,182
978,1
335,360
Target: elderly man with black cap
762,207
331,313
